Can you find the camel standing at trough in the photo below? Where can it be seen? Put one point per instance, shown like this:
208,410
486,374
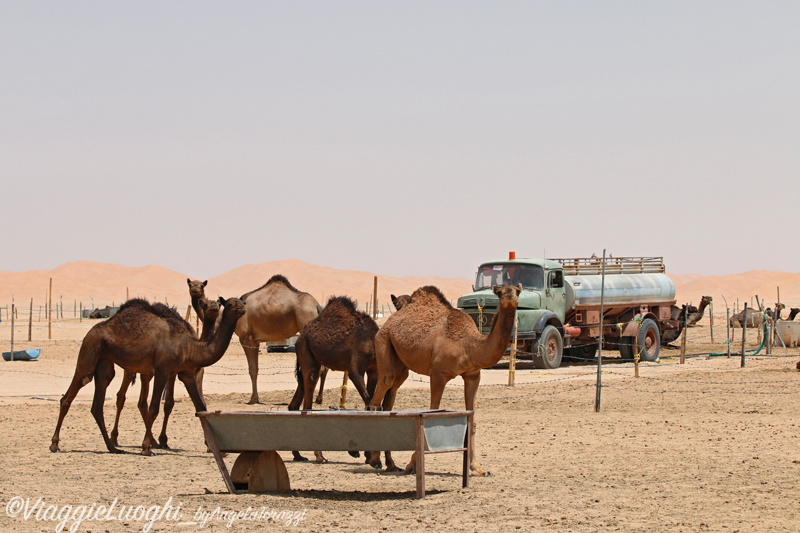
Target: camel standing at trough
430,337
146,339
340,338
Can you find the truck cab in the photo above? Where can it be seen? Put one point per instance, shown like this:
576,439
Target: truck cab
542,304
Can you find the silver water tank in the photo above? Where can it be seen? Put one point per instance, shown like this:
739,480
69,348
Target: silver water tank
619,289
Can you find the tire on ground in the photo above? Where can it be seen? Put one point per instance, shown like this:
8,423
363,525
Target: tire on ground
548,349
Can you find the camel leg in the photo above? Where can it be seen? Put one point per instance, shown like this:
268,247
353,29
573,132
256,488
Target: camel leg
323,374
127,379
161,378
471,382
438,382
303,365
187,378
142,404
385,361
198,378
310,377
252,368
84,372
388,404
169,403
103,374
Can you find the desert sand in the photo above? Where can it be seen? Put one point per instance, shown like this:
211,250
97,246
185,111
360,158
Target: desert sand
707,445
701,446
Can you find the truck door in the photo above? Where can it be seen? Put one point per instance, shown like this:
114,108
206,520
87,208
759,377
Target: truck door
555,295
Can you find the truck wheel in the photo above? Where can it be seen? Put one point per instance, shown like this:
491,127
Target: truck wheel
649,341
548,349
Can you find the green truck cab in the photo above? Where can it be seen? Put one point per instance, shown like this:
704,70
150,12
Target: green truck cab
541,309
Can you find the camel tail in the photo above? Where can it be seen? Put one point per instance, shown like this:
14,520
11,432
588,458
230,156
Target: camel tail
299,376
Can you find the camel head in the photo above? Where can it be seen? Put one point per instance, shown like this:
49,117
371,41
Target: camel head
400,301
793,312
233,306
706,300
210,307
196,287
508,294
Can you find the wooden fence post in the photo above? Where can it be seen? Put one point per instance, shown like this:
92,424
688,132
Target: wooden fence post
30,321
744,332
50,311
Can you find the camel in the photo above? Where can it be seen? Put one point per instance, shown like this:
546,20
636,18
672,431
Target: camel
793,312
696,314
776,315
169,396
274,312
340,338
400,301
432,338
678,314
146,339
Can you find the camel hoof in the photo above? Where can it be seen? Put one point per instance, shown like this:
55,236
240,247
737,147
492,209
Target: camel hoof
482,474
115,450
299,459
146,453
376,466
354,454
321,461
54,448
253,401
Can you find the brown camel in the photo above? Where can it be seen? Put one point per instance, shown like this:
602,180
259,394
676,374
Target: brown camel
432,338
129,378
146,339
793,312
696,314
275,312
340,338
776,315
400,301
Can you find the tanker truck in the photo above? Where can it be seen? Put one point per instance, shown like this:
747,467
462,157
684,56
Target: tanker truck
559,306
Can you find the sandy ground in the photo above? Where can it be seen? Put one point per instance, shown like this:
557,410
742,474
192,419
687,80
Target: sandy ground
703,446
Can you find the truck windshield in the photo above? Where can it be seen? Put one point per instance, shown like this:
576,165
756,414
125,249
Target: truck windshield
531,276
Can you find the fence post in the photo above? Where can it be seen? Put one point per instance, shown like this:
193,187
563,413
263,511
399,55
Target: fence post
512,364
600,346
685,332
12,328
728,329
30,321
50,311
711,317
744,332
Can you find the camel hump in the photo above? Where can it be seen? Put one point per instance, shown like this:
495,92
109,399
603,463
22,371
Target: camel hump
277,278
429,293
343,301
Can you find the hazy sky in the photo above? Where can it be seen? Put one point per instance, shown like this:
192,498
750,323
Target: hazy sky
402,138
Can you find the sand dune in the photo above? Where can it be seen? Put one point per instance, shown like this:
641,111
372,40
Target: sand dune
107,284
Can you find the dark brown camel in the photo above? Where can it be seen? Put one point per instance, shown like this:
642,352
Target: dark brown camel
275,312
146,339
340,338
695,315
212,313
432,338
793,312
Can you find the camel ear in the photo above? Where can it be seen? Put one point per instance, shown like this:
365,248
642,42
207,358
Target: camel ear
518,288
205,283
221,301
188,282
394,299
495,290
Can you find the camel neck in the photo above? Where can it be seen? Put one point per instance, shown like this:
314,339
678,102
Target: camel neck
220,341
497,340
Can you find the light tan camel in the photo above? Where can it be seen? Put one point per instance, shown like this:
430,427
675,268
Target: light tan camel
432,338
275,312
146,339
696,314
211,310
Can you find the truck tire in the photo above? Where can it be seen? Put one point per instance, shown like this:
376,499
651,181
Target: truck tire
626,348
648,341
548,349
